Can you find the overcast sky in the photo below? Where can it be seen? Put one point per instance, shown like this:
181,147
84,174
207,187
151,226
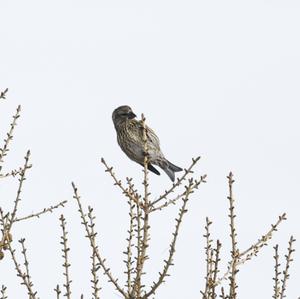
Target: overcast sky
218,79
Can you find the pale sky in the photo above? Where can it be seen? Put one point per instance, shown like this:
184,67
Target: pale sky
218,79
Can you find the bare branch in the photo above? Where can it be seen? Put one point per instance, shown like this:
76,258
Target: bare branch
57,291
233,235
3,94
93,245
3,292
146,210
25,279
9,136
285,272
169,261
265,238
277,274
8,221
174,200
134,197
208,258
26,263
65,250
178,183
95,265
12,173
128,253
44,211
216,269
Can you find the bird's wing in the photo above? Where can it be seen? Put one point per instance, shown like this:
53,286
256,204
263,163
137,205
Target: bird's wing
151,136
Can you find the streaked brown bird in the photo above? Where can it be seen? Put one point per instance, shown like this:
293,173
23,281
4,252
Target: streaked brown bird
130,139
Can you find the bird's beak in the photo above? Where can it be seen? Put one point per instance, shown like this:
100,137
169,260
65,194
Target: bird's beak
131,115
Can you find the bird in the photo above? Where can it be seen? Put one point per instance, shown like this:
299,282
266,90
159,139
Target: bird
130,138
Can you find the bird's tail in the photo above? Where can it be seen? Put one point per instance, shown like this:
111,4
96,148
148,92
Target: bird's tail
174,167
170,169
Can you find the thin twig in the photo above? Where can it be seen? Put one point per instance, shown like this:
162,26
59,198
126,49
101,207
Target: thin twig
12,173
9,136
18,197
222,293
277,274
174,200
139,236
146,210
25,280
128,252
57,291
95,265
262,241
208,258
169,261
133,197
253,250
44,211
216,269
26,263
177,184
8,221
285,272
233,235
94,247
3,94
3,292
65,250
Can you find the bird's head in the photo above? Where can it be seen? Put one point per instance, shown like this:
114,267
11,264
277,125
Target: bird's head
122,114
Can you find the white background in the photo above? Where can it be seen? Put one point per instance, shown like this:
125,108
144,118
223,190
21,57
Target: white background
218,79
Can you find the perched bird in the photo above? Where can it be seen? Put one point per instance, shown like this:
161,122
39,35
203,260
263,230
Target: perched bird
130,139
